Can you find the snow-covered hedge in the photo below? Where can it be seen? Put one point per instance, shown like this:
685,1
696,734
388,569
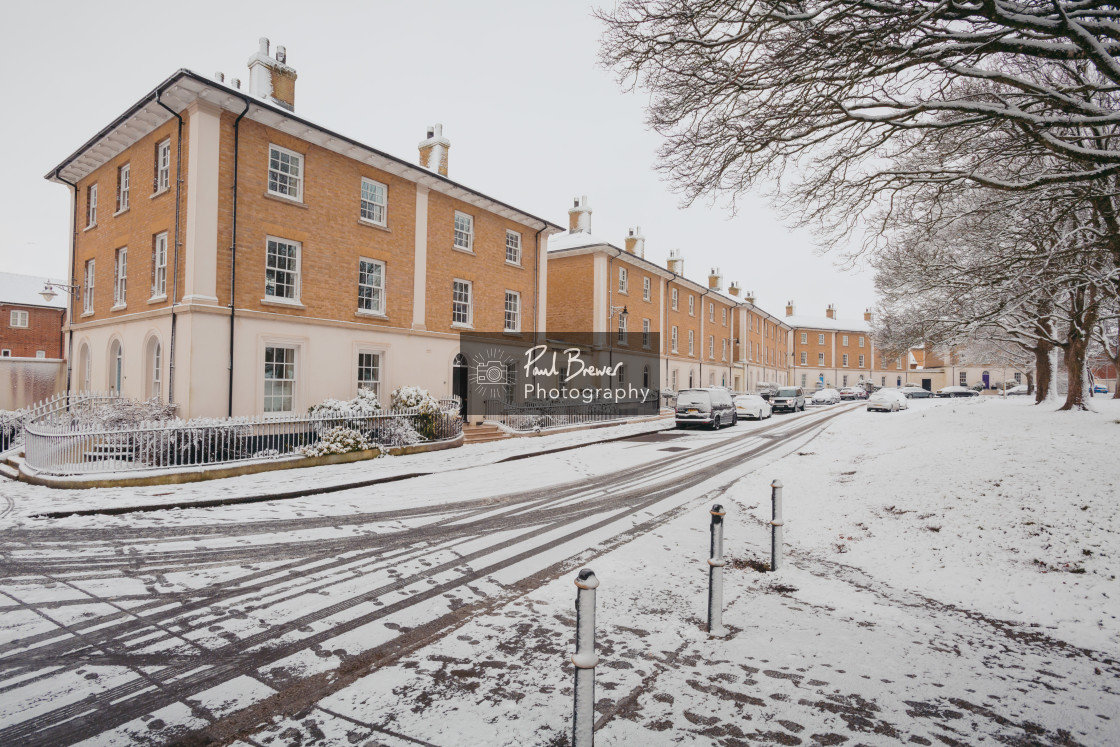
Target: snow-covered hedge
11,425
428,410
127,414
338,440
194,441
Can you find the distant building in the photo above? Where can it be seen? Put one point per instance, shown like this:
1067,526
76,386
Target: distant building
29,326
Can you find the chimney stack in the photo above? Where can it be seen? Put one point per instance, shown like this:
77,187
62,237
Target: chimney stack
749,298
715,280
433,150
830,312
635,242
579,216
271,78
733,289
789,309
676,262
867,315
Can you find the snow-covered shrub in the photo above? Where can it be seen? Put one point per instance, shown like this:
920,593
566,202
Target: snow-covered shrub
11,427
127,414
355,413
194,441
396,432
426,420
338,440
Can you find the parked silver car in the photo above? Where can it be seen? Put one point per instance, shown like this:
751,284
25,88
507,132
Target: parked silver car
711,407
791,398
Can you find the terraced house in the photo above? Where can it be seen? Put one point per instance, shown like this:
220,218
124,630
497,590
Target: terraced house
235,258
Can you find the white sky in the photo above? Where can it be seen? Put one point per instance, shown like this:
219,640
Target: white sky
532,118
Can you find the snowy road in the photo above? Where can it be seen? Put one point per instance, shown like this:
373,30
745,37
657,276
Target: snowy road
207,622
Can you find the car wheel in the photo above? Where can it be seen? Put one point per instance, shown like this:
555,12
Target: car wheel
735,419
715,422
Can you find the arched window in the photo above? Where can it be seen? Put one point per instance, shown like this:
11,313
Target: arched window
645,377
116,366
691,382
154,364
85,369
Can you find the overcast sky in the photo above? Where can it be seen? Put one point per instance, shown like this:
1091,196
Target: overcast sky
532,118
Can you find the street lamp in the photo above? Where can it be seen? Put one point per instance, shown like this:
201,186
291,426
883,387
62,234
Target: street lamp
48,292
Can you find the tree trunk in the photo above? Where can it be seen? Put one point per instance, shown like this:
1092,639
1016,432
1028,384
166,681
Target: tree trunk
1043,371
1078,379
1030,382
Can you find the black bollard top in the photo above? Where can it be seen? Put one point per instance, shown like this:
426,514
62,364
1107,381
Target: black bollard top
717,510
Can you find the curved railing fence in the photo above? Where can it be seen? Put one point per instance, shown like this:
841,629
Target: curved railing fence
60,442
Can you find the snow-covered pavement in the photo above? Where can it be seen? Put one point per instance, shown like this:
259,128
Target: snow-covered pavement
140,628
933,595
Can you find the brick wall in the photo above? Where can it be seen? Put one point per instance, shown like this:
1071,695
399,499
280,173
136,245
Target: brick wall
571,293
43,331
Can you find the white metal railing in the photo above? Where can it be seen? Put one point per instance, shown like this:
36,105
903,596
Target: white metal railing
60,444
63,407
533,415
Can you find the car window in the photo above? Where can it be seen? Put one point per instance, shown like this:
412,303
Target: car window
788,392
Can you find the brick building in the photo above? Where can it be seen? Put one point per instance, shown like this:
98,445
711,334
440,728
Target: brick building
29,326
236,258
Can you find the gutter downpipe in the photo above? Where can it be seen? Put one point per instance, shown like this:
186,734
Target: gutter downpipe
702,343
73,280
539,335
665,332
175,272
233,252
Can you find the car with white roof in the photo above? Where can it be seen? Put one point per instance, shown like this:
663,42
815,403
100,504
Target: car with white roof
752,406
790,398
826,397
957,391
887,400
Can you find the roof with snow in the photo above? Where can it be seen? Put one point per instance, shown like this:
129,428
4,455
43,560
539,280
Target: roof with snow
576,240
23,290
823,322
185,87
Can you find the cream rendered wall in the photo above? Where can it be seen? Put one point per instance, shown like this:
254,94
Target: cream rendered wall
133,334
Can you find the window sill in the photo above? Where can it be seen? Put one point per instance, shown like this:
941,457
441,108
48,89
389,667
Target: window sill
159,192
90,227
518,265
120,212
371,224
511,332
118,307
286,200
157,299
460,325
85,314
463,251
291,304
371,314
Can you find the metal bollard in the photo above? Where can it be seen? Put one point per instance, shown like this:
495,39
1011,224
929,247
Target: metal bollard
715,574
776,525
583,717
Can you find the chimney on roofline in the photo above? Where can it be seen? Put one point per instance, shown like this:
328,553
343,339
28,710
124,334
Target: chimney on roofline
867,315
579,215
733,289
789,309
635,242
270,78
749,298
715,280
676,262
830,312
433,150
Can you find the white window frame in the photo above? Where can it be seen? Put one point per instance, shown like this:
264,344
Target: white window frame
294,380
87,292
120,278
368,203
691,305
18,319
675,297
711,312
378,368
40,353
645,333
844,340
861,361
711,346
157,375
861,341
646,287
675,339
804,338
163,167
376,297
844,360
691,342
468,286
512,316
513,248
159,266
623,281
124,179
820,339
463,228
284,175
820,359
622,329
723,316
297,273
804,358
91,206
5,353
723,347
964,378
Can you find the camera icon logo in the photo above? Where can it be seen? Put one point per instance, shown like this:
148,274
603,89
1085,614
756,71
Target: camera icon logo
491,372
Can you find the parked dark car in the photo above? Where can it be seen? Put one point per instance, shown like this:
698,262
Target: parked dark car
916,392
790,398
957,391
712,407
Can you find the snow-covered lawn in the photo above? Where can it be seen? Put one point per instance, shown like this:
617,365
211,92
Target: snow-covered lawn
950,578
